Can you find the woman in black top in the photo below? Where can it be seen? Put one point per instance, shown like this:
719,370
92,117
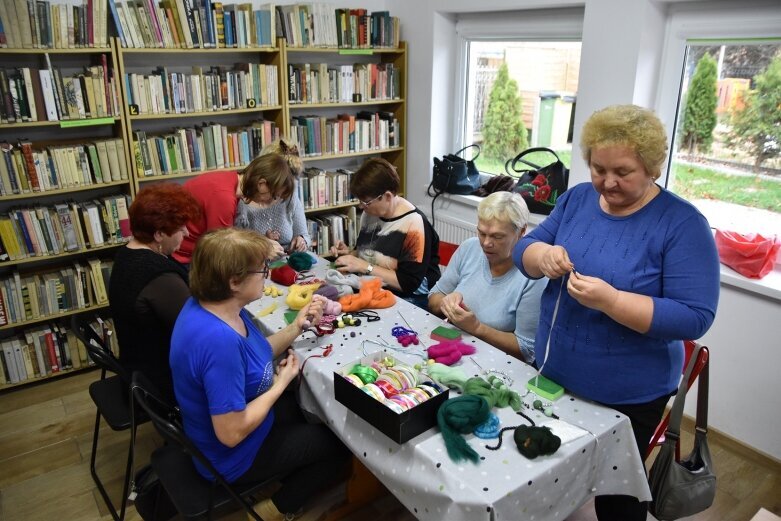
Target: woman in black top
148,289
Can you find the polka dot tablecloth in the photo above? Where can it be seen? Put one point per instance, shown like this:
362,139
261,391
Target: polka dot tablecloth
597,456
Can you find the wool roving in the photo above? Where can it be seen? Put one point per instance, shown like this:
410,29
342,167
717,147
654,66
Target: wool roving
338,278
458,416
489,429
284,275
452,377
536,441
328,291
300,261
495,396
449,352
371,296
299,296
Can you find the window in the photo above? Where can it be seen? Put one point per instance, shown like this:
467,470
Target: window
518,81
726,152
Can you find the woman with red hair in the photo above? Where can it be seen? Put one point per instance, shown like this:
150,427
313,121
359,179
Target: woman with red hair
148,289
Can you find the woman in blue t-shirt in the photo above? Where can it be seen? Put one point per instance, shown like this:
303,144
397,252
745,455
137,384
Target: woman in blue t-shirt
634,271
233,400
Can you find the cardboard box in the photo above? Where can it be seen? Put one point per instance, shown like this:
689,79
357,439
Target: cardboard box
398,427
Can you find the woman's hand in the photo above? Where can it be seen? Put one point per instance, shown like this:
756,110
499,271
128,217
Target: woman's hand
351,264
298,244
277,252
592,292
555,263
340,249
287,369
309,314
454,309
273,235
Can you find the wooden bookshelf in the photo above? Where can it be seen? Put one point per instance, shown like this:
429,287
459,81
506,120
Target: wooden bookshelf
63,255
183,175
205,114
62,191
49,318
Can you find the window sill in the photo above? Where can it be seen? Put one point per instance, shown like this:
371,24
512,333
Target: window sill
769,286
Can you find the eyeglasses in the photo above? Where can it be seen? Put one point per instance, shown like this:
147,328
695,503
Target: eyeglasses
265,271
365,204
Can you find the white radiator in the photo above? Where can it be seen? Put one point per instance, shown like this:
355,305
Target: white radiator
453,230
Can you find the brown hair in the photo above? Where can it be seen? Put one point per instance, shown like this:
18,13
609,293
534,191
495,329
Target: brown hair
222,256
289,151
274,169
163,207
375,177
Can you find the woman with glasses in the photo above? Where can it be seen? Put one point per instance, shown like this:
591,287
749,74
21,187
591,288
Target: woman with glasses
232,398
396,242
147,289
281,220
267,179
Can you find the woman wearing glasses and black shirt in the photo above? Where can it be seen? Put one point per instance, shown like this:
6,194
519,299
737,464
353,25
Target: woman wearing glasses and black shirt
396,242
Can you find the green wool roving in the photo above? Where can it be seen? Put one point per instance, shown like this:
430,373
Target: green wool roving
536,441
460,416
300,261
453,377
495,392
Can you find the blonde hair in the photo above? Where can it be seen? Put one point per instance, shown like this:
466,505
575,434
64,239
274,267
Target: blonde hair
222,256
507,207
631,126
272,168
289,151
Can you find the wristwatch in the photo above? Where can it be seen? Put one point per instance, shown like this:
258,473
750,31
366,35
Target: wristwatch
369,269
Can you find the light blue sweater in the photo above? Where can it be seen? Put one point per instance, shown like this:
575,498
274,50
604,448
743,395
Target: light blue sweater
507,303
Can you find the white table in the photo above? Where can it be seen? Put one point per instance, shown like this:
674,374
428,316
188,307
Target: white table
504,485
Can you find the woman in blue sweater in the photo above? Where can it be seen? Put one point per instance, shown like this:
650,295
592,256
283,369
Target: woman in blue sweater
637,272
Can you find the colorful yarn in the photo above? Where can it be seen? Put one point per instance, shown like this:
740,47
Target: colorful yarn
489,429
300,261
460,416
450,352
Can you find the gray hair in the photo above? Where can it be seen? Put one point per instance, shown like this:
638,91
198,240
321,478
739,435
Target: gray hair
504,206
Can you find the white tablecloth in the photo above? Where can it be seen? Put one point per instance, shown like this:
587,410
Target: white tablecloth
504,485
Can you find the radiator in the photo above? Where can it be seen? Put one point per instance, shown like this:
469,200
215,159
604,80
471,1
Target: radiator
453,230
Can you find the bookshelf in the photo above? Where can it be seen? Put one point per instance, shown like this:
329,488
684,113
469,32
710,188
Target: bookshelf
64,190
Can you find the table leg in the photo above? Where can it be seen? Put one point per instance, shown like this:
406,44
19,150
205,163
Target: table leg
362,489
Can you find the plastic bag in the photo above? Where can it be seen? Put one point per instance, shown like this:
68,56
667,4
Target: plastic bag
751,255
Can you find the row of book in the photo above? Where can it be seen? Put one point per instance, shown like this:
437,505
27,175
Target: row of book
24,170
320,188
347,133
246,86
320,25
30,94
320,83
42,24
65,227
198,149
42,295
46,350
327,230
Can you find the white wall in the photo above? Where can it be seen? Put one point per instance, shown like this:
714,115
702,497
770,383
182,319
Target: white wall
620,61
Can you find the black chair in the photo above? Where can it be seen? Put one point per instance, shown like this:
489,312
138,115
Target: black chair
194,496
110,395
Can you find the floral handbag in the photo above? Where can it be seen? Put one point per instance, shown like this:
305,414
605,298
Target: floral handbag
540,186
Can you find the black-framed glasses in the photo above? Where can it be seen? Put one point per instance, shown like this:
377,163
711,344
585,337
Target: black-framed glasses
265,271
365,204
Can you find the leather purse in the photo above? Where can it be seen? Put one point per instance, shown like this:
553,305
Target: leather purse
540,186
453,175
684,488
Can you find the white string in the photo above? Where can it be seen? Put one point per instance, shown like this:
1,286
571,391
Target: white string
550,331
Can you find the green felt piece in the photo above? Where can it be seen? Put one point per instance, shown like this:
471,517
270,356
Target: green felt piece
290,316
545,387
446,332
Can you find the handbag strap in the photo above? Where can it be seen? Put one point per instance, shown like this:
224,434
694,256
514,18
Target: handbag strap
702,399
473,145
528,151
674,427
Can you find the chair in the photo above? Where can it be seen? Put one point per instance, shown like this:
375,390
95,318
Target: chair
110,397
193,495
700,369
446,251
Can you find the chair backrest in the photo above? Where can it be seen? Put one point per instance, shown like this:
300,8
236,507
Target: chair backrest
97,349
446,251
700,368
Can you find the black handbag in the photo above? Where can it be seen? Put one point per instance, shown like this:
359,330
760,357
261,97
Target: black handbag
453,175
540,186
684,488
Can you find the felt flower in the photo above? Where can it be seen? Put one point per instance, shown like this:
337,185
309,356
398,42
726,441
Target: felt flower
540,180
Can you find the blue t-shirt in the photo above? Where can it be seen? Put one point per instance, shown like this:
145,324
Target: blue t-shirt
510,302
217,371
666,251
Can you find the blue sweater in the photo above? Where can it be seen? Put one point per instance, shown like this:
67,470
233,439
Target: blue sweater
666,251
513,302
217,371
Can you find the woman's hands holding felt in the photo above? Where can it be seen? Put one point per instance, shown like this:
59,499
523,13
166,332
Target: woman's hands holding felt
297,244
592,292
340,249
309,314
351,264
454,309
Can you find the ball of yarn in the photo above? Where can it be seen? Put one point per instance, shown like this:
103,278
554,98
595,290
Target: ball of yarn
458,416
489,429
536,441
300,261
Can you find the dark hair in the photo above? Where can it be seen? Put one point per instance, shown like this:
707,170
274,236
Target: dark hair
274,169
222,256
162,207
375,177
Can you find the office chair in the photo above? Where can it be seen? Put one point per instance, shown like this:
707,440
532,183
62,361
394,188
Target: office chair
700,370
193,495
110,397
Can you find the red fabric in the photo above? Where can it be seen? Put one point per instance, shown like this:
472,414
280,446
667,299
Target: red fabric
446,251
751,255
216,193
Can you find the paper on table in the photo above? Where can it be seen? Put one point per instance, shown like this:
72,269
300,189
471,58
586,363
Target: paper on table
566,431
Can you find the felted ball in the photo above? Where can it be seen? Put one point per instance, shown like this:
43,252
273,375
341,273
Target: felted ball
536,441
